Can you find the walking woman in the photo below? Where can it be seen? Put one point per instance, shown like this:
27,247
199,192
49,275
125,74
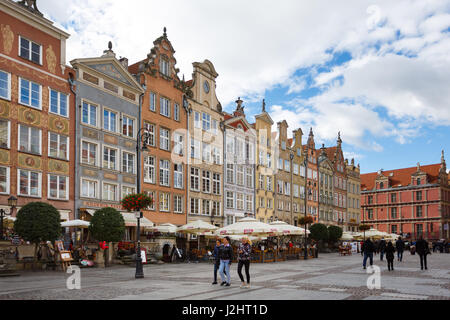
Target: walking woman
390,255
244,254
225,256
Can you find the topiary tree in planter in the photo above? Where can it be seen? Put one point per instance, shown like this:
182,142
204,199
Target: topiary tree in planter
107,225
364,228
38,222
334,234
319,232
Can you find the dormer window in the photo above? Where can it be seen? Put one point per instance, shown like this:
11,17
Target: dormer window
418,181
164,67
30,50
381,185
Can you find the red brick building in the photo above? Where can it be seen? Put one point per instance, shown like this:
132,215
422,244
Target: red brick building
411,201
37,123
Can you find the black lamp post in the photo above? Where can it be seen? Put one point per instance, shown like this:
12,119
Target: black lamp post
306,200
141,145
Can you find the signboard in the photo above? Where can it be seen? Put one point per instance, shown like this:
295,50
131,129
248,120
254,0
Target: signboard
66,256
446,226
144,256
354,247
59,245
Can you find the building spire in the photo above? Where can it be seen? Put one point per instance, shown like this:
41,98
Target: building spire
165,32
339,140
264,105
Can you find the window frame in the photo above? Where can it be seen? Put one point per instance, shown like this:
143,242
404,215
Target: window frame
97,158
133,129
29,104
29,139
8,143
162,139
162,173
39,195
163,107
8,180
148,166
59,94
133,162
117,161
116,194
49,175
97,186
110,111
59,146
8,86
30,55
89,113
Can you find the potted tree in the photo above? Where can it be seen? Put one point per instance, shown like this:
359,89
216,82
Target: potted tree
38,222
319,233
364,228
107,225
334,234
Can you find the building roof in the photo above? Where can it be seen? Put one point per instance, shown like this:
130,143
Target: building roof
401,177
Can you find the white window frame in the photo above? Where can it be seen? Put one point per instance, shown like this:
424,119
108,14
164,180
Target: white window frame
196,203
118,160
97,185
249,177
197,120
196,177
176,112
206,121
97,158
8,142
240,201
28,104
147,126
39,195
147,167
123,195
178,176
207,206
29,140
228,199
59,145
178,203
57,189
164,173
164,141
164,105
8,86
249,203
59,94
90,105
126,159
152,99
116,195
29,58
133,121
8,179
206,181
217,183
110,111
165,196
195,149
206,153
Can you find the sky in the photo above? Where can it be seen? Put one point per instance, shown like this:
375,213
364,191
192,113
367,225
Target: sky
378,72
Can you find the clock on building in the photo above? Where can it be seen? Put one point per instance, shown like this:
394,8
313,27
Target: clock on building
206,86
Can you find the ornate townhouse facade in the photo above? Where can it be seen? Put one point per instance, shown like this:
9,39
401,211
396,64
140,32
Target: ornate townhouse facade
312,177
297,177
205,141
326,182
265,166
108,100
239,166
164,118
353,195
37,109
411,202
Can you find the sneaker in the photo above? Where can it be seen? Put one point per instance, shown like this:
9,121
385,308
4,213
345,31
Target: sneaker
227,285
215,282
248,286
223,283
242,285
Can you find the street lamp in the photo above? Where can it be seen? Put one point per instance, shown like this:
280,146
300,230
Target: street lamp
12,203
306,199
142,138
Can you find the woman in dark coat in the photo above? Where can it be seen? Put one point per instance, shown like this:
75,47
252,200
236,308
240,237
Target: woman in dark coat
390,250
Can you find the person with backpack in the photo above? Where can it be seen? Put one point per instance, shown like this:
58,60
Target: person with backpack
422,249
226,257
368,250
390,250
400,246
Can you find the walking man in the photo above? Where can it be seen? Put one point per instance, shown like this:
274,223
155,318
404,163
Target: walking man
422,250
244,252
390,256
382,247
225,256
368,249
216,259
400,246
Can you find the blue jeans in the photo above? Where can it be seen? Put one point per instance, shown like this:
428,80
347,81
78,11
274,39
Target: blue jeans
400,255
225,265
370,256
381,254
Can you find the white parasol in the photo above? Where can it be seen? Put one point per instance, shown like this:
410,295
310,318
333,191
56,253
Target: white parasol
248,226
75,224
286,229
163,228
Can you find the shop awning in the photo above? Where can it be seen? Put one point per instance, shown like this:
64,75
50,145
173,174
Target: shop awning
131,221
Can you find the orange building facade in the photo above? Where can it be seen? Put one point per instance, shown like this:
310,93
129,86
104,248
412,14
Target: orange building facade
36,111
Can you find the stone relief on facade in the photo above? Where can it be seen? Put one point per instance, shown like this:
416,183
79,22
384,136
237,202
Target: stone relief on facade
8,38
29,116
58,167
58,125
51,59
4,109
28,161
4,157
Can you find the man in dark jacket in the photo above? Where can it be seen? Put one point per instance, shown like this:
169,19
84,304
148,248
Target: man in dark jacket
216,259
400,246
382,248
368,249
225,256
422,250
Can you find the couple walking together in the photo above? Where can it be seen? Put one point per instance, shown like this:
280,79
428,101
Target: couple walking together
223,254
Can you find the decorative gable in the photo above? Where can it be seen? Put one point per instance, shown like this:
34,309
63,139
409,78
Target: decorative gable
110,70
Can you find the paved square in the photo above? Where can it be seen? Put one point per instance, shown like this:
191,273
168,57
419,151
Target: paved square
329,277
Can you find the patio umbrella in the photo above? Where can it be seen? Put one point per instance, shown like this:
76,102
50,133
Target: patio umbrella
197,227
163,228
10,218
286,229
347,236
248,226
374,233
75,224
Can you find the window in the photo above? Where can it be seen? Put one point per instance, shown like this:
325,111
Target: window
215,127
261,182
269,203
176,112
216,183
302,171
149,169
164,139
419,211
57,187
287,166
109,158
197,123
418,195
150,130
239,201
127,126
296,194
30,50
58,146
30,94
249,177
195,179
195,148
152,101
164,67
419,229
261,158
230,173
29,139
152,195
280,164
230,200
206,122
164,107
5,133
29,183
164,202
89,188
295,168
394,229
89,114
206,208
109,192
287,188
164,172
249,203
215,209
58,103
195,204
369,199
393,213
109,120
5,85
370,214
393,197
4,180
206,181
240,175
262,202
269,160
128,162
216,156
177,204
127,191
178,176
89,153
280,186
283,145
206,153
230,144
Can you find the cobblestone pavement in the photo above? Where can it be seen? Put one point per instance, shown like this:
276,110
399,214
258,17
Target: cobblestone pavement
329,277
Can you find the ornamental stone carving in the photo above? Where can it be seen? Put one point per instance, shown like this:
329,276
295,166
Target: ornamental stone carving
29,116
8,38
4,157
51,59
28,161
4,109
58,166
